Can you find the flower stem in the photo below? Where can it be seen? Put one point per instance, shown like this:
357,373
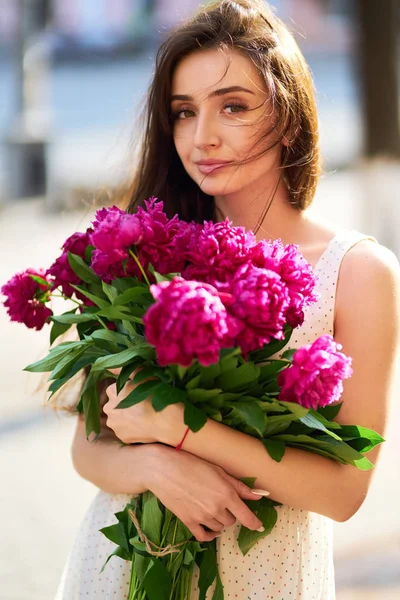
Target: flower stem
66,298
137,261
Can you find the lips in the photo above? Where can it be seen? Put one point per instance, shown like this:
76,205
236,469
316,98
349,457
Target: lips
211,165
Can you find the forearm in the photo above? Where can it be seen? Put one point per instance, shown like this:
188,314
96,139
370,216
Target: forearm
110,466
301,480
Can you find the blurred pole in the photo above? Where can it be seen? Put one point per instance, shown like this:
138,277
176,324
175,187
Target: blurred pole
379,28
27,138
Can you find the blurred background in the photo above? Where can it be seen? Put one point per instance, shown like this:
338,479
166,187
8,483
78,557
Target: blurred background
73,75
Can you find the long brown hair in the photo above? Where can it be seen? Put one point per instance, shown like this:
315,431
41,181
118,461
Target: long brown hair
250,27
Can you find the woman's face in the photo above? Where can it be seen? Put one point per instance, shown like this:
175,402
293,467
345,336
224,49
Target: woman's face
221,108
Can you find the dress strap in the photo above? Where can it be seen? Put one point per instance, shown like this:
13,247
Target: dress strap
327,271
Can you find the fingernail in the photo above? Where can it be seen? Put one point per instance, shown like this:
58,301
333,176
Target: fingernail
261,529
260,492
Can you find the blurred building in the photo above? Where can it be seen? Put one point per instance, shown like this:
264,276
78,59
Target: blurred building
107,25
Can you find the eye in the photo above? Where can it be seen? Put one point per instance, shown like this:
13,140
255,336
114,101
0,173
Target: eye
184,113
236,108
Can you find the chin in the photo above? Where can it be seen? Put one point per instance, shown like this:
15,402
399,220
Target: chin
217,188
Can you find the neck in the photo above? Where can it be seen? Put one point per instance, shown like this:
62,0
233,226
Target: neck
269,213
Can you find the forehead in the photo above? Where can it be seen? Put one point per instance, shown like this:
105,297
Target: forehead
205,70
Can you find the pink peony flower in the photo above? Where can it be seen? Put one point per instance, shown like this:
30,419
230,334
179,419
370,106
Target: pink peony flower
295,272
61,271
261,301
316,376
114,231
109,266
216,251
26,299
163,240
187,321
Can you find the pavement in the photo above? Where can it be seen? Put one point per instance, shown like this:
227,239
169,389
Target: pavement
43,500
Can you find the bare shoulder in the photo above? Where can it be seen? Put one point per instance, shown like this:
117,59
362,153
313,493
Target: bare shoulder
369,263
369,282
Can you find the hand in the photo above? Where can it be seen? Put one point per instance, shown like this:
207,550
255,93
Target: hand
199,493
141,423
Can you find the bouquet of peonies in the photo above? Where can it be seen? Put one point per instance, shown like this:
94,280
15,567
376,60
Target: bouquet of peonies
197,314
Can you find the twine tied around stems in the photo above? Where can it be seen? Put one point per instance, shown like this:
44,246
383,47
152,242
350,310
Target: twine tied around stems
170,549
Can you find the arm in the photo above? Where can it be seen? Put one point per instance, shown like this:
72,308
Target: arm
367,324
198,492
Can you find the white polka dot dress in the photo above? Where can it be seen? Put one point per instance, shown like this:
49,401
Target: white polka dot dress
294,562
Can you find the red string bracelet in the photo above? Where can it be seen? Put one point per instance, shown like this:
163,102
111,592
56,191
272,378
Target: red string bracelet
179,446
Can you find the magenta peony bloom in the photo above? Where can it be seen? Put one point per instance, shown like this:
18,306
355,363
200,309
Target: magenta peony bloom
164,241
114,231
26,299
187,321
61,270
295,272
261,301
316,376
216,251
109,266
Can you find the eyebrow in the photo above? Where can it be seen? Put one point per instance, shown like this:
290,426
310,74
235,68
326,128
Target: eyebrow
219,92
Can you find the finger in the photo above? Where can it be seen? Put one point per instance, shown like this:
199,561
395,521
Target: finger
244,515
213,525
242,489
111,390
115,371
226,518
201,534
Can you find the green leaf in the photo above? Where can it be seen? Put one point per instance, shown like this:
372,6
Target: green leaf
39,280
193,383
68,361
109,291
81,269
116,534
330,412
194,417
120,313
338,450
219,589
125,374
258,356
85,360
69,319
271,369
111,336
140,393
266,512
201,395
288,354
142,565
58,329
278,424
152,517
238,378
121,553
313,422
207,562
100,302
152,371
163,395
252,415
91,404
157,581
116,360
295,409
52,359
135,294
249,481
275,448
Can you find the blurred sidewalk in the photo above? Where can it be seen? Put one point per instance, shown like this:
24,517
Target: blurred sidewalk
43,500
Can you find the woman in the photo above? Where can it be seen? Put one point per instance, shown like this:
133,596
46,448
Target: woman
232,132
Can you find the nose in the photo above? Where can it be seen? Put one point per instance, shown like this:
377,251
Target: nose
206,133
